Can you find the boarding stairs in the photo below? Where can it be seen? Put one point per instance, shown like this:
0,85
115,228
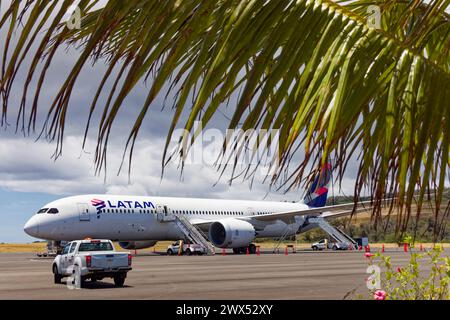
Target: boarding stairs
193,233
288,232
335,233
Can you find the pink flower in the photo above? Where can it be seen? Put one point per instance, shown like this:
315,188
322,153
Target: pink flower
379,295
368,254
399,269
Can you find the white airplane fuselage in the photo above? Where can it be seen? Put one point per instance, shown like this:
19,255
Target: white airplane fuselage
135,218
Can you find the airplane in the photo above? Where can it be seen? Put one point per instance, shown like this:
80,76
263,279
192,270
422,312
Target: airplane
138,222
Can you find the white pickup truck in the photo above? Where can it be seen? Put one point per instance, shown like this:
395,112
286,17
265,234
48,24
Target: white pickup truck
331,245
188,248
91,259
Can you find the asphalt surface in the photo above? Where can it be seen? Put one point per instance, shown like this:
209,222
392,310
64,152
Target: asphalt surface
304,275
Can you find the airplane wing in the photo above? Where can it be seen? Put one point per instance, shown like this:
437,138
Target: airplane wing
202,223
325,212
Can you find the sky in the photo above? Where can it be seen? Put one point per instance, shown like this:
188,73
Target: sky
30,177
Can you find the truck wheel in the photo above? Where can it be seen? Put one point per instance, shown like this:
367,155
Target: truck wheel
335,248
189,252
56,276
79,279
119,280
252,248
169,252
236,251
315,248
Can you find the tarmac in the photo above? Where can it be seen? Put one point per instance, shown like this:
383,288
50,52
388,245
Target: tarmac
303,275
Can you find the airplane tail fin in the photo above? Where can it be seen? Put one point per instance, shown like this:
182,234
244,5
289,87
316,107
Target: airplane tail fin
316,196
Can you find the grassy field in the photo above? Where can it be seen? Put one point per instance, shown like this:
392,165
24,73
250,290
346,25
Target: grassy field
161,246
23,247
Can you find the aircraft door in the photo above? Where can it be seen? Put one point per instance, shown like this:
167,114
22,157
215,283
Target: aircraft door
83,210
163,213
160,212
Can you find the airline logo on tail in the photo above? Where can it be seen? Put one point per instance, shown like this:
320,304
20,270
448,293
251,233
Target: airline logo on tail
318,192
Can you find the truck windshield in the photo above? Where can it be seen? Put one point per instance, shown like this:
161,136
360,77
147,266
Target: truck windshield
97,246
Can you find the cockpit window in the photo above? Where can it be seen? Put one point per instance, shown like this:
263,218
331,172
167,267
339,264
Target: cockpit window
43,210
53,211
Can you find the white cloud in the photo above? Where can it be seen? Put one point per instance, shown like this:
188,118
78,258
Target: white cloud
26,166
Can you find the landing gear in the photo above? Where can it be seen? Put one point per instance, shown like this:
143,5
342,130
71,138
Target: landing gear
243,250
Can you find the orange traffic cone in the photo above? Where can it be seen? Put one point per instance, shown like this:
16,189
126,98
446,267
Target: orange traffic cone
405,247
248,252
421,247
257,250
286,251
382,248
224,253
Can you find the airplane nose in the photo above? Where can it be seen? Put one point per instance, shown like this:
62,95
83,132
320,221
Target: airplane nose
31,228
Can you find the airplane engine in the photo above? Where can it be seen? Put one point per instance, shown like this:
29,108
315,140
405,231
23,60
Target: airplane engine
132,245
231,233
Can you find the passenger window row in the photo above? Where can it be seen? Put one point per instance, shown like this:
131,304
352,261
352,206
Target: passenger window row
127,211
210,212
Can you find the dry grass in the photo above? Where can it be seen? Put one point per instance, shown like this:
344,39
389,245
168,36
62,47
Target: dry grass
23,247
161,246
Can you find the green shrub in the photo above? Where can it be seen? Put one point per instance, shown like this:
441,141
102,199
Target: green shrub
409,282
